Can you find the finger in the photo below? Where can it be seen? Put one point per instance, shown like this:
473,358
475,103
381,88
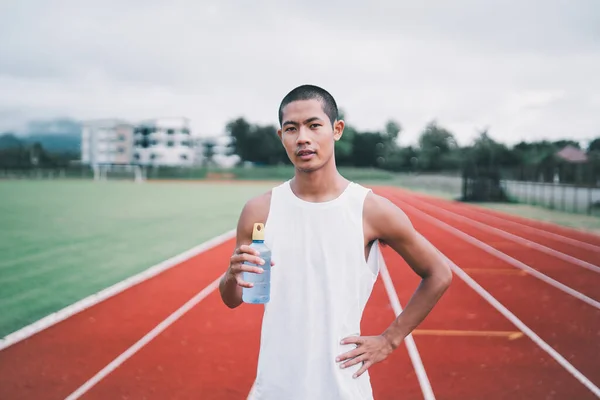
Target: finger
353,340
351,354
243,283
245,257
247,249
237,268
367,364
354,361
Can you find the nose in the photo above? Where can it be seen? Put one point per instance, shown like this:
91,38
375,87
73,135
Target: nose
303,136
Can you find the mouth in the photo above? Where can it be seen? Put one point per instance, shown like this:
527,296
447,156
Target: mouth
305,154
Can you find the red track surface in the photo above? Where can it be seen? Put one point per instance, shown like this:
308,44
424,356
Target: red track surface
211,351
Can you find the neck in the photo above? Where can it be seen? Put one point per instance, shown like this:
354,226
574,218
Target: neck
323,184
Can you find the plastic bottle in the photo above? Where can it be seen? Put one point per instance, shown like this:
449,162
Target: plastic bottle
261,292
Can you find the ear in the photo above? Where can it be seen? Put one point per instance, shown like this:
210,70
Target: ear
279,133
338,129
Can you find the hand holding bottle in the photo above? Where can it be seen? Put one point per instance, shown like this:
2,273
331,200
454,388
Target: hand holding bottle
245,259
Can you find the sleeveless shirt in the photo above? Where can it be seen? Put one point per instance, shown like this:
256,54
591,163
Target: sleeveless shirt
320,284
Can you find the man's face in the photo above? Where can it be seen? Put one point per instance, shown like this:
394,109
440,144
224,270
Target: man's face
307,134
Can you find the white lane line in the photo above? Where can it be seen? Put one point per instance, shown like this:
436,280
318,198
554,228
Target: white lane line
515,238
562,228
104,294
512,261
411,346
541,232
523,328
144,340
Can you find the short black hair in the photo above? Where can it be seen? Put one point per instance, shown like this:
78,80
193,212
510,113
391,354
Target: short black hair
310,92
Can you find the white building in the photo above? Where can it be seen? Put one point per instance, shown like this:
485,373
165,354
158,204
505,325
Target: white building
152,142
220,152
163,142
107,141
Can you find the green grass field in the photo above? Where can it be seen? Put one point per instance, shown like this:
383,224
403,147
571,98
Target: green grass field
63,240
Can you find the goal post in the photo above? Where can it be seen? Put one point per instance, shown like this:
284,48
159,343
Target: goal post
125,172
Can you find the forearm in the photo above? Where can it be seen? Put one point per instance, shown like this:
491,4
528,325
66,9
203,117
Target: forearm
231,292
429,291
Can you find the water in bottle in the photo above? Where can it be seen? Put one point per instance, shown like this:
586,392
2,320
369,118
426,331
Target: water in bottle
261,291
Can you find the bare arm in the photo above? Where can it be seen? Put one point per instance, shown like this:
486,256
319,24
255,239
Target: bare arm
386,222
231,284
390,224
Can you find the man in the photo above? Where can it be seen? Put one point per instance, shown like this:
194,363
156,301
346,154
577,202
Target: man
324,231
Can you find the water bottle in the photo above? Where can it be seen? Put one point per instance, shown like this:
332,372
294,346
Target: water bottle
260,293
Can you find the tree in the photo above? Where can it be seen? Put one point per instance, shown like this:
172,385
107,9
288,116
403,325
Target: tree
560,144
594,145
344,147
486,152
367,149
239,130
435,144
393,129
254,143
267,148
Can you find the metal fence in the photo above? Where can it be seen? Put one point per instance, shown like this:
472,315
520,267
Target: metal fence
557,196
72,172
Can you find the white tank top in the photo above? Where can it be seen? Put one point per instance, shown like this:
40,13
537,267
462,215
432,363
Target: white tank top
319,287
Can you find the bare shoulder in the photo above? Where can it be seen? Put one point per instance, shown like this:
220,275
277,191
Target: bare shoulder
385,221
255,210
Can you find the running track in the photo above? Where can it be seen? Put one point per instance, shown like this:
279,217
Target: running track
521,320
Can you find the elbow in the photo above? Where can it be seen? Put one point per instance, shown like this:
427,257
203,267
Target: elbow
229,302
441,278
232,304
445,277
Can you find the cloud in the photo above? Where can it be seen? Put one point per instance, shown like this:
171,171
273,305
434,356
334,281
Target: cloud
519,69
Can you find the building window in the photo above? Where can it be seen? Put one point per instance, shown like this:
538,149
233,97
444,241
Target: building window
170,131
184,156
170,143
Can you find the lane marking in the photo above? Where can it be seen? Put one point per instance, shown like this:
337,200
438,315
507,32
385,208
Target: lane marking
499,215
393,297
541,232
515,238
158,329
522,327
110,291
496,271
411,346
505,257
516,321
510,335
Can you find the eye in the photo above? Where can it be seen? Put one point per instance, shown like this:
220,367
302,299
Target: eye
314,126
291,128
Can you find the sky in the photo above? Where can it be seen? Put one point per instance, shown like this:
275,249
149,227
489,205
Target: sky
520,69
